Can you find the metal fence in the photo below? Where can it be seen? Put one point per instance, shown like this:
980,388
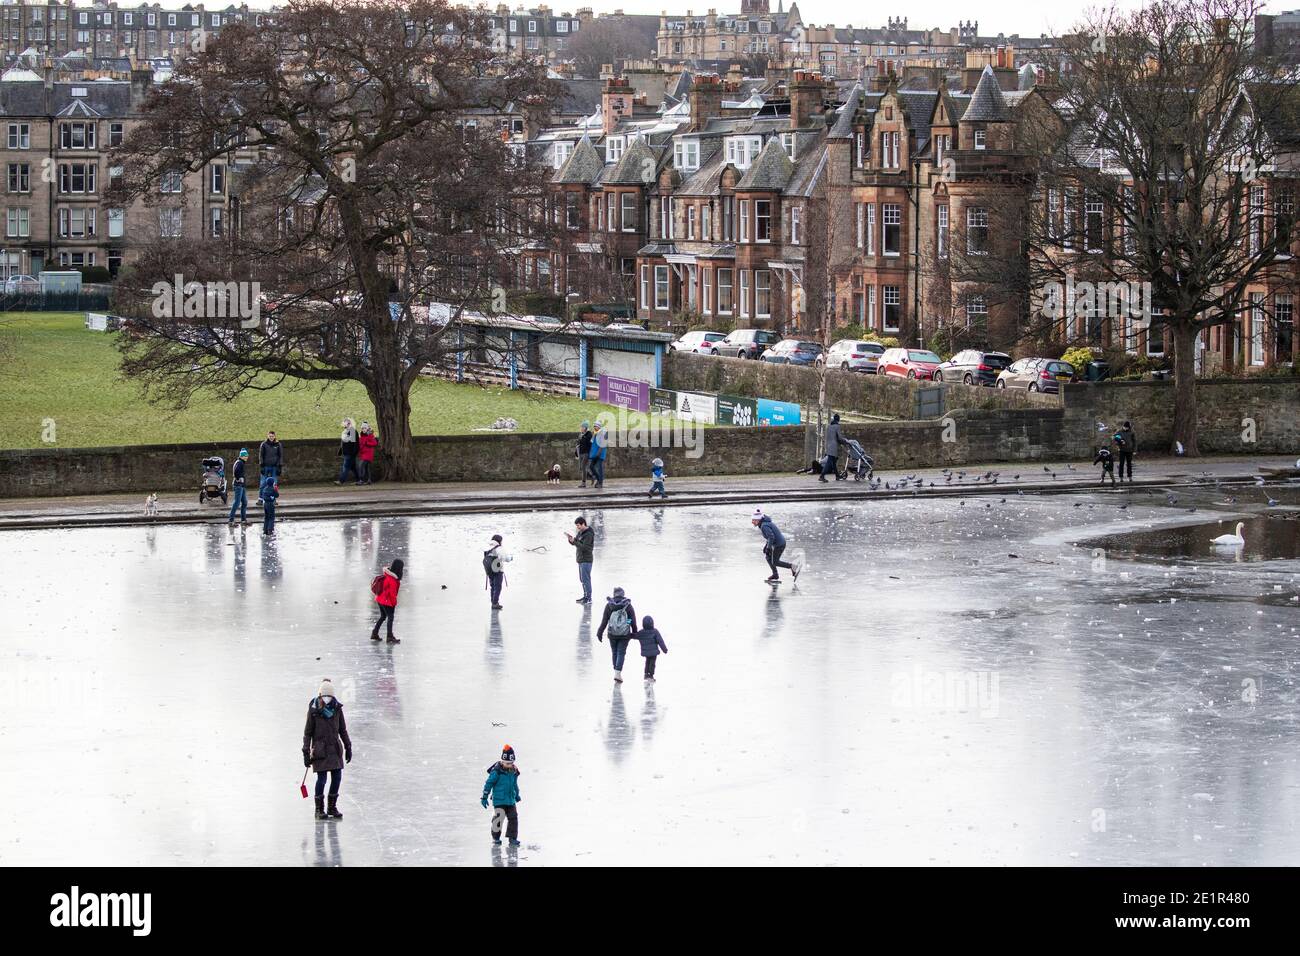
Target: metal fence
89,299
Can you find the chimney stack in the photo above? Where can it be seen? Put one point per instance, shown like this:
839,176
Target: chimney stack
615,102
807,97
705,99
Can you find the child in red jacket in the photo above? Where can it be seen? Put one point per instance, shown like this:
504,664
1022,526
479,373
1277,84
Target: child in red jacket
385,588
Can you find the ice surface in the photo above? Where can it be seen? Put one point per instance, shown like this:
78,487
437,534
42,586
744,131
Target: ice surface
920,698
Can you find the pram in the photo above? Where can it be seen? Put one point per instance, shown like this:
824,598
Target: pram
214,479
855,459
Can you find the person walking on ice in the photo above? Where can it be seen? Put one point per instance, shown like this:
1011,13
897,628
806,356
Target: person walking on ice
657,478
620,619
774,547
584,544
326,747
503,786
385,587
652,643
494,559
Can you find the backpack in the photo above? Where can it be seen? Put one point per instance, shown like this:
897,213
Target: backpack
620,625
377,585
491,563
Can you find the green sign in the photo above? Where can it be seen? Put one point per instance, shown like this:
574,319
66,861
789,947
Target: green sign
737,411
663,401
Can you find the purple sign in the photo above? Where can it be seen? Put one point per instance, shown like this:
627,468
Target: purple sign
625,392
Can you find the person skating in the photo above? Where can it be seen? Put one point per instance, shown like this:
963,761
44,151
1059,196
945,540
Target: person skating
349,446
1107,462
583,452
620,619
773,546
833,438
240,488
366,445
494,559
597,455
584,543
326,746
1125,444
268,494
385,587
503,786
652,644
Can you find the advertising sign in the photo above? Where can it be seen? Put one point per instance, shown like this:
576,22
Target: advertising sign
778,413
663,401
625,392
694,407
737,411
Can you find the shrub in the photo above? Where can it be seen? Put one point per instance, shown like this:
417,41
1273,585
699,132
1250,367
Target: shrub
96,274
1079,356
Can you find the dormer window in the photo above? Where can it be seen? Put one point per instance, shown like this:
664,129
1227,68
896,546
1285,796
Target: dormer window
614,149
686,154
743,150
979,139
788,142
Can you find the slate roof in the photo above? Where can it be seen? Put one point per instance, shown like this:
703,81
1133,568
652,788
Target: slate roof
584,165
633,164
987,104
843,128
771,170
102,98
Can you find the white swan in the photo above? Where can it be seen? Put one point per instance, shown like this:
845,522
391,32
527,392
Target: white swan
1231,540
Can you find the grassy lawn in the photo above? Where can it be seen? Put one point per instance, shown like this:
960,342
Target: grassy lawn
53,368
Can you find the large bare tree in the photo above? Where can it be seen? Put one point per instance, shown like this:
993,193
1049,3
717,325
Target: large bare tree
1171,184
368,176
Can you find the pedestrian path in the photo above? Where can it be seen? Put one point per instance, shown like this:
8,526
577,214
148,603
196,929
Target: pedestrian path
384,499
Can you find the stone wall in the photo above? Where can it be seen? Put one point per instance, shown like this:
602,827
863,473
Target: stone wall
39,472
1222,405
847,391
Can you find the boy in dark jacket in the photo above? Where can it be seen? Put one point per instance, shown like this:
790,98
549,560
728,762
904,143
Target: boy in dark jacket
503,784
386,597
326,730
268,494
1107,462
620,619
1125,444
652,643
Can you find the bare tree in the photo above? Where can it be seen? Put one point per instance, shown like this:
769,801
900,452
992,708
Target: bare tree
362,185
609,40
1165,178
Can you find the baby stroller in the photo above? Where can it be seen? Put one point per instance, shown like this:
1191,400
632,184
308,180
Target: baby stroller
856,460
214,479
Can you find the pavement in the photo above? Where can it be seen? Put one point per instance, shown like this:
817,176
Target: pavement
392,498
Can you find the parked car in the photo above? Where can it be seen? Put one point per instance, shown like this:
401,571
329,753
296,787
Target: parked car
703,342
973,367
909,363
1037,375
853,355
793,352
748,343
19,284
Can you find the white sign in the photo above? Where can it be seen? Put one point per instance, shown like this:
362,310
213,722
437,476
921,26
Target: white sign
694,407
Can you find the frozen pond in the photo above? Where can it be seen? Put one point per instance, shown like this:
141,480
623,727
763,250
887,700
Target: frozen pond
948,684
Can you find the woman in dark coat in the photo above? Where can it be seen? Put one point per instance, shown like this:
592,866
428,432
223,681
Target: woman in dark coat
326,746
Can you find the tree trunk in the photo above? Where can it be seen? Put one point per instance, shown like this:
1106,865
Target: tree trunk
392,404
1184,337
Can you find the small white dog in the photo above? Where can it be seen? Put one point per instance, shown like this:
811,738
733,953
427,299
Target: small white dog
553,475
151,506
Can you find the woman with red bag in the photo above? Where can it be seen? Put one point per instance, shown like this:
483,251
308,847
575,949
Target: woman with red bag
384,587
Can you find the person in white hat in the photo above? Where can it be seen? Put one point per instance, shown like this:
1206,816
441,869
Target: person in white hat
773,546
326,746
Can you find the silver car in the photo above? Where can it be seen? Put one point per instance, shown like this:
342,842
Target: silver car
853,355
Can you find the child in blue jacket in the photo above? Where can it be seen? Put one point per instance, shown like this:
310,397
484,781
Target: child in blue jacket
657,478
268,492
503,784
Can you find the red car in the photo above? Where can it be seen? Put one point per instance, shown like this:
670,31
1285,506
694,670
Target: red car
909,363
